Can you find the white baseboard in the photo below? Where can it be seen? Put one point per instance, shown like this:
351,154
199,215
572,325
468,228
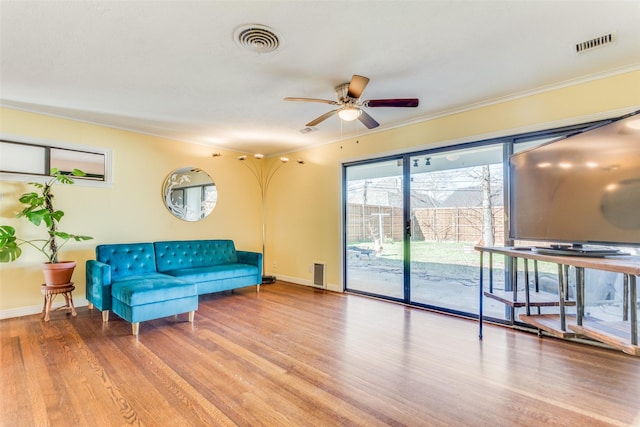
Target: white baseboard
305,282
37,309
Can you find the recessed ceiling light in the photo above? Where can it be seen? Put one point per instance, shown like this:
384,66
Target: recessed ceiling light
214,140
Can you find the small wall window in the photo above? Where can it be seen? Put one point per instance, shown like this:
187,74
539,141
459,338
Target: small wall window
93,164
27,159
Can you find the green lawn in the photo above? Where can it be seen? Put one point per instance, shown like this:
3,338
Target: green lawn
457,253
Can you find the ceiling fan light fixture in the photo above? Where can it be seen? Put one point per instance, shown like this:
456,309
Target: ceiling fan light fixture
349,114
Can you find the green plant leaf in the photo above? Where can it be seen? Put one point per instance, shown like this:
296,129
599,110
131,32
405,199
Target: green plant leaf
34,217
9,249
64,179
10,253
39,209
67,236
31,199
79,238
7,234
62,235
57,215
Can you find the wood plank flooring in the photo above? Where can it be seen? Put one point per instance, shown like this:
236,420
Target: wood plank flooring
298,356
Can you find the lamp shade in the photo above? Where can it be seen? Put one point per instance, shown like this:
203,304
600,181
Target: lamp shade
349,114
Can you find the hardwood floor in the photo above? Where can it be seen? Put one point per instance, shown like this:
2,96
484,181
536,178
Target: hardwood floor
297,356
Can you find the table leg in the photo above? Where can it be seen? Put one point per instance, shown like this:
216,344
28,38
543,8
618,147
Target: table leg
625,297
563,321
481,295
526,287
514,285
44,308
69,298
491,272
49,298
579,295
536,278
633,296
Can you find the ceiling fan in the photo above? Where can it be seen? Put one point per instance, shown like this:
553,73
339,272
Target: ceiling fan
350,105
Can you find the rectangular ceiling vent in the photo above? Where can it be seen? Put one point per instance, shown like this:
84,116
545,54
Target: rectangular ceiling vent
594,43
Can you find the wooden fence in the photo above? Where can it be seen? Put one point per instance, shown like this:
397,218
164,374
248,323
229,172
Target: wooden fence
365,223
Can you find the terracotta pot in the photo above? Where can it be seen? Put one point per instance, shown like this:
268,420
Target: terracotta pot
58,274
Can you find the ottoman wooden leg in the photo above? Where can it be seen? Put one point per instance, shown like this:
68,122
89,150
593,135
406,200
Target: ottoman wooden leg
192,315
135,328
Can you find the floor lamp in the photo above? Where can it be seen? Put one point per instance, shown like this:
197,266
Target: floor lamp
264,175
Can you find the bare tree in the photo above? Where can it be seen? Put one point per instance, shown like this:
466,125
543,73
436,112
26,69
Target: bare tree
487,207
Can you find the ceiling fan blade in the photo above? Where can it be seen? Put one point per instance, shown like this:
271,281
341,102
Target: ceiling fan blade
322,118
367,120
357,85
324,101
395,102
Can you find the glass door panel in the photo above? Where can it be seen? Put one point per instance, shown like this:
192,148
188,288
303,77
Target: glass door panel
374,258
456,202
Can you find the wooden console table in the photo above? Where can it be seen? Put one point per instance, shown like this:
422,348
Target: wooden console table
619,334
50,293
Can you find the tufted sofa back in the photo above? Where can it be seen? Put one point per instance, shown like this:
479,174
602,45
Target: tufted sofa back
127,259
194,253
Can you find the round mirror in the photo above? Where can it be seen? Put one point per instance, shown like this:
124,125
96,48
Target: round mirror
189,193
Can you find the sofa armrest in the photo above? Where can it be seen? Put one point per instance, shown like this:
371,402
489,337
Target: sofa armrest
251,258
99,284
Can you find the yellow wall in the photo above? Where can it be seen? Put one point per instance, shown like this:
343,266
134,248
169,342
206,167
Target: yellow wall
303,201
303,212
132,210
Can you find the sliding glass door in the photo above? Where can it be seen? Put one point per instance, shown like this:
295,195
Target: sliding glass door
411,223
374,232
456,202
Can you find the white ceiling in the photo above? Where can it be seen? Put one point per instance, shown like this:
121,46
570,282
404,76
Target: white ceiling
172,68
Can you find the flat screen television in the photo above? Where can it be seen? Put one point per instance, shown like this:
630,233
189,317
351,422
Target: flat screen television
583,189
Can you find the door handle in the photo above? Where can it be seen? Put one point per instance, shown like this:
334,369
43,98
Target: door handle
407,228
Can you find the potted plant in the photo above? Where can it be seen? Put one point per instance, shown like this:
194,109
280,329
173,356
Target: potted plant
40,210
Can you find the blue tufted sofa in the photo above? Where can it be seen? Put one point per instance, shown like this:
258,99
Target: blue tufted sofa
145,281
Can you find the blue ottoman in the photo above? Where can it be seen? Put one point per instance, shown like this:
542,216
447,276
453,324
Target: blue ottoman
138,298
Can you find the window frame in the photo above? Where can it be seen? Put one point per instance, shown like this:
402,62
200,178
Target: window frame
107,181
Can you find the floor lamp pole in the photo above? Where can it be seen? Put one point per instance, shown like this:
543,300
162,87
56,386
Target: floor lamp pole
264,179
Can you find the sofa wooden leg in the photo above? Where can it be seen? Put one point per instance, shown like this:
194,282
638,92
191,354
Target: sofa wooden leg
90,306
258,287
135,328
192,316
105,316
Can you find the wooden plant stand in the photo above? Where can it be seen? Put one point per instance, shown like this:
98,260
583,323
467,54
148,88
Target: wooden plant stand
50,293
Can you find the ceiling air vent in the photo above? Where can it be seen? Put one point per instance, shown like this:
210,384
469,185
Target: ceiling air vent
257,38
594,43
